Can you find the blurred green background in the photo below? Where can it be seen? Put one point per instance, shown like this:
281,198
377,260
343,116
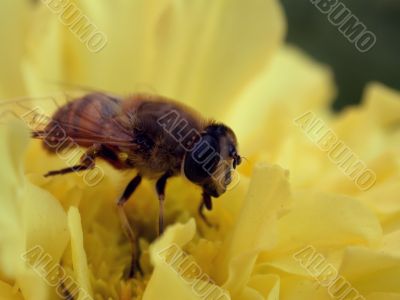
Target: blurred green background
310,30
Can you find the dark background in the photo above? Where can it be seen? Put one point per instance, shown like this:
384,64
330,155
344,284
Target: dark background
311,30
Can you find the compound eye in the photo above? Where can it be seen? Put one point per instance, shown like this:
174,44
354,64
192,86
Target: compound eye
202,161
232,151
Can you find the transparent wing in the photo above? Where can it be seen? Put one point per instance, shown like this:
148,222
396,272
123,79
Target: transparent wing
37,112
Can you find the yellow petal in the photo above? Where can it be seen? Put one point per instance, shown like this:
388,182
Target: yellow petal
14,16
391,243
44,61
383,103
292,85
325,223
323,219
166,284
383,200
31,218
78,253
254,230
179,234
197,51
294,287
176,274
262,287
226,44
386,296
371,271
7,292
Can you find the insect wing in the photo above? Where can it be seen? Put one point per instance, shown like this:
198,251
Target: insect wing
37,112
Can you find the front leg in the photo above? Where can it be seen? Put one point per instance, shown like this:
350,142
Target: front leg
160,189
130,188
207,203
87,162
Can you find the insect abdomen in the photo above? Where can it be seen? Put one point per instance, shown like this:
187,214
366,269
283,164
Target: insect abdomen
82,122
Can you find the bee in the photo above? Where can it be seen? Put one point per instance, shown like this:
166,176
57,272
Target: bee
158,137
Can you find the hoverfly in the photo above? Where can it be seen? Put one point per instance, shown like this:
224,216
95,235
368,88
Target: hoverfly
158,137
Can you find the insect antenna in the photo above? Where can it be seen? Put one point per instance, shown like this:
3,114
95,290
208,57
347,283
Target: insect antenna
84,88
245,158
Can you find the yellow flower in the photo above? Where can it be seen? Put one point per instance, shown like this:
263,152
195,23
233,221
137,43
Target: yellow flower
295,227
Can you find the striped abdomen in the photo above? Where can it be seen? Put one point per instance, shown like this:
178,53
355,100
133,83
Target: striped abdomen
84,122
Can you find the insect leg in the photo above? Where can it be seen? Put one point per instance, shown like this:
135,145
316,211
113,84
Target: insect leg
160,188
130,188
205,203
87,162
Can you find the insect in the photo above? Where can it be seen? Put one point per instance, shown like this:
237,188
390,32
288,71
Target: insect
158,137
